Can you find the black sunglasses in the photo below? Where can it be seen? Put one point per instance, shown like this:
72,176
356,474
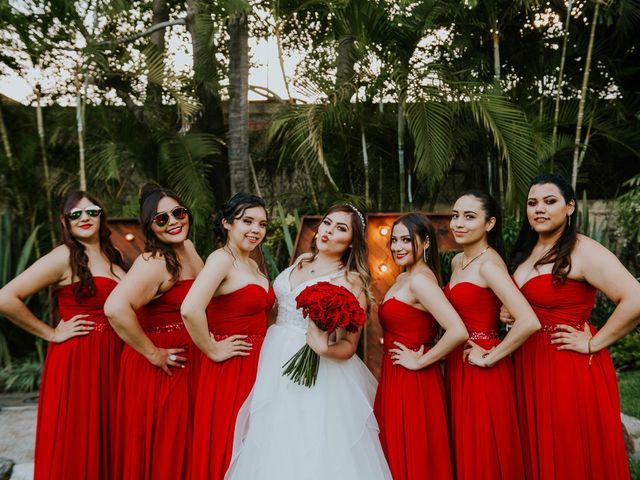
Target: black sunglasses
93,211
162,218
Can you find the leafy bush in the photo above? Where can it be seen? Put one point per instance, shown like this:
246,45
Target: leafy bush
21,377
626,352
634,469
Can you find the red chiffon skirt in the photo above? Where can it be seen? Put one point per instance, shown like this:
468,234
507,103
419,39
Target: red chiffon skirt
484,422
154,414
570,413
411,411
222,389
77,407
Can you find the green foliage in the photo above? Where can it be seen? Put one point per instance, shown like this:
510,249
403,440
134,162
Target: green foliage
12,264
629,386
21,377
278,246
626,353
634,469
628,226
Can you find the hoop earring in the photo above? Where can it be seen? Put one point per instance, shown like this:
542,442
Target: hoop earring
424,255
568,221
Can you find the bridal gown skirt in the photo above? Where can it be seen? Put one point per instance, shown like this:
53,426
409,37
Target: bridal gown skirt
286,431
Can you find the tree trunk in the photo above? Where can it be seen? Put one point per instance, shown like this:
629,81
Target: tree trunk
211,118
583,99
160,15
365,163
345,67
80,119
5,140
556,107
45,166
401,163
239,170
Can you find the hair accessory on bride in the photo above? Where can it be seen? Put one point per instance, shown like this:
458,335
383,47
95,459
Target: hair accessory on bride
360,216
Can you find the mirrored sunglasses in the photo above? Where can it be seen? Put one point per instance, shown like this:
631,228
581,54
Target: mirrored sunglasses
162,218
93,211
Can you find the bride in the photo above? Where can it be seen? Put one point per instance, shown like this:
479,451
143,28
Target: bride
286,431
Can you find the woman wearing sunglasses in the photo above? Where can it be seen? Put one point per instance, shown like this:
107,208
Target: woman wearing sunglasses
78,391
226,315
154,404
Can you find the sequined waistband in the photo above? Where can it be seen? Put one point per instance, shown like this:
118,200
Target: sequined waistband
484,335
553,327
102,327
248,338
170,327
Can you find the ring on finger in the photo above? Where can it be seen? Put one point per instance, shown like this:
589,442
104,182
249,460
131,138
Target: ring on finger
172,357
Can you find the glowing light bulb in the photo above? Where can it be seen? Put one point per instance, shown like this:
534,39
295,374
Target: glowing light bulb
129,237
384,231
383,267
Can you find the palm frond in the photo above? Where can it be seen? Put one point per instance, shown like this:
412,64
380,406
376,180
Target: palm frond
512,136
430,124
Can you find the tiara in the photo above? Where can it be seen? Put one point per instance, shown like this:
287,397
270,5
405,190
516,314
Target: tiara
360,216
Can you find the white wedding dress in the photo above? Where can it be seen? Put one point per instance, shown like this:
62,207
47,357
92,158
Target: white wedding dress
286,431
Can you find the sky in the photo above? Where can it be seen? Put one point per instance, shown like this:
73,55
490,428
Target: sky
265,71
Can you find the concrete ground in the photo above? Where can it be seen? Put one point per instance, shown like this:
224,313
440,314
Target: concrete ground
17,432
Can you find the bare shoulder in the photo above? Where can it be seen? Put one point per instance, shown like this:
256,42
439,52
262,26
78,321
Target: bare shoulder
59,256
220,257
493,264
588,246
424,278
147,262
455,261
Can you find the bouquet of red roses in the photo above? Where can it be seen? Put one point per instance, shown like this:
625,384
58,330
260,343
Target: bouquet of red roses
330,307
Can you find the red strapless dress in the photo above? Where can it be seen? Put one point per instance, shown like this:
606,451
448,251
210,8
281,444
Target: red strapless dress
485,437
410,406
155,409
76,412
569,410
224,386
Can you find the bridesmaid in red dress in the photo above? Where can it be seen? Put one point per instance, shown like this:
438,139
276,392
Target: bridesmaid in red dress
155,398
567,393
226,315
480,384
79,381
410,403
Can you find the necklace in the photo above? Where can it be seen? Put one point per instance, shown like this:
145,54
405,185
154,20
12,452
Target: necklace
474,258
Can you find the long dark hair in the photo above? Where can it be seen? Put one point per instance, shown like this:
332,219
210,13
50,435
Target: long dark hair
78,258
356,258
491,209
419,226
150,195
233,210
560,253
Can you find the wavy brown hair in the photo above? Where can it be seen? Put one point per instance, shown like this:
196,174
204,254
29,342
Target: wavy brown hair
560,253
354,259
150,195
419,226
78,258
